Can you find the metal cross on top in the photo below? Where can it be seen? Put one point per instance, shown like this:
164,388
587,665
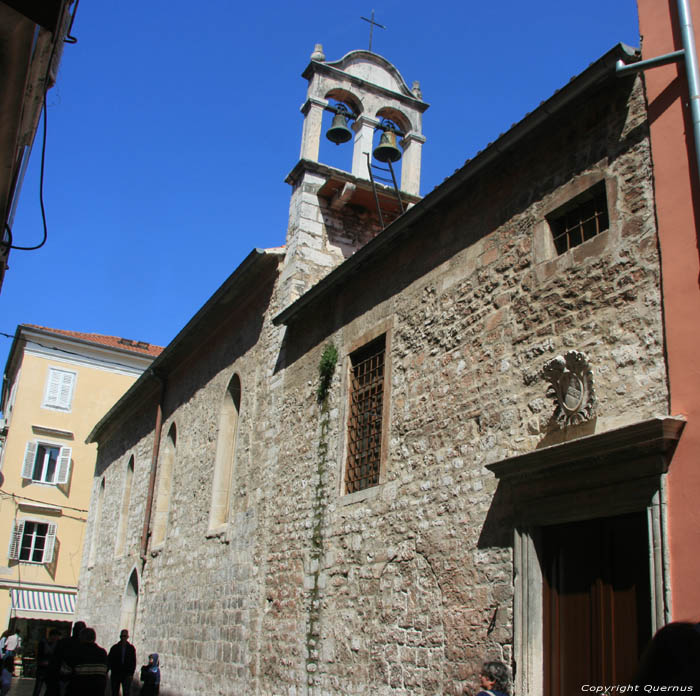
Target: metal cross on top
372,24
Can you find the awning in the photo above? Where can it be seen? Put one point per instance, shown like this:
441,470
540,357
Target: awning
35,604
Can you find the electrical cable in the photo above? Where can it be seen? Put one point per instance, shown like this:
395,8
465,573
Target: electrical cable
69,38
14,496
41,186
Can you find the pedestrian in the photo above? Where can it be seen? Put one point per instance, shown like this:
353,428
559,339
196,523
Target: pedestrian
13,643
44,654
671,660
7,669
150,676
3,640
494,679
122,664
59,665
88,667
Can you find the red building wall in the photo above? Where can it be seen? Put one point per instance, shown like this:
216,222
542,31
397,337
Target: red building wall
677,197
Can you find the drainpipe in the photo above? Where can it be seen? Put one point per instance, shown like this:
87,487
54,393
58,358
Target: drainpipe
691,68
154,465
687,53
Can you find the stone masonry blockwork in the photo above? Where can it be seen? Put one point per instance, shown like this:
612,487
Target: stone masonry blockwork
407,587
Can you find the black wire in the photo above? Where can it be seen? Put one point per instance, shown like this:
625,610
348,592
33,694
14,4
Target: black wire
15,497
69,39
41,187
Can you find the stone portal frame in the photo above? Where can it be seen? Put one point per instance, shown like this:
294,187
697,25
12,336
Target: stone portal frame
603,475
352,345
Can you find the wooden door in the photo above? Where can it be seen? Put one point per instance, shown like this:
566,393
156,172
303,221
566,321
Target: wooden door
596,603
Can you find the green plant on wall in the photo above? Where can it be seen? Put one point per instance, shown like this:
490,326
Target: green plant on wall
326,368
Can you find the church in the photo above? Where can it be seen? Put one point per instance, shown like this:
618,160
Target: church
424,433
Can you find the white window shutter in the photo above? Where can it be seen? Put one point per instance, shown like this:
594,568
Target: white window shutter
63,465
29,457
50,544
65,395
59,389
16,540
52,388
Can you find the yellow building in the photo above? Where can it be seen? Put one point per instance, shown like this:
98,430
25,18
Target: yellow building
57,384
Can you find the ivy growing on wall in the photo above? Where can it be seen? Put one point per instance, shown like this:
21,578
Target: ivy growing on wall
326,368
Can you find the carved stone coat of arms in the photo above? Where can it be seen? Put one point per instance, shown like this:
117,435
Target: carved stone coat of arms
571,388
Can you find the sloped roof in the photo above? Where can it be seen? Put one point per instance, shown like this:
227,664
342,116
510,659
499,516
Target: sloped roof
140,347
235,287
598,73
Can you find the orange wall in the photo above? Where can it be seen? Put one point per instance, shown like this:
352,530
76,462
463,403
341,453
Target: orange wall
677,196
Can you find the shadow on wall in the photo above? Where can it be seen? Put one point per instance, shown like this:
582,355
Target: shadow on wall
497,530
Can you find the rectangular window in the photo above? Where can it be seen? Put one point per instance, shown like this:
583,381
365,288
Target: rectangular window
46,463
32,541
59,389
580,219
365,418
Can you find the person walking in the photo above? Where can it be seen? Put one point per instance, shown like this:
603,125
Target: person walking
7,670
13,643
122,664
60,663
88,667
150,676
44,655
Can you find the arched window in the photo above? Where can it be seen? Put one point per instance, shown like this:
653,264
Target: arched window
124,513
167,466
225,454
97,523
130,603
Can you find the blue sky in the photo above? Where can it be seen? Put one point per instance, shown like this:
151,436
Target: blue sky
171,130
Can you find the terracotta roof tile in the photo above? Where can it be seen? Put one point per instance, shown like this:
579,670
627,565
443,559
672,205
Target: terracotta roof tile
110,341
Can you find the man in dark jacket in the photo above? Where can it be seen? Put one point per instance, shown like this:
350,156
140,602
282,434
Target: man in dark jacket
44,656
59,665
89,667
122,664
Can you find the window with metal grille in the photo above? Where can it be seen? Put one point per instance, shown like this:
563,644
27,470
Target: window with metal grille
365,420
580,219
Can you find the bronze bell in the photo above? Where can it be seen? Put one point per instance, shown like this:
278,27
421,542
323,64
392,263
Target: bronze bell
387,150
339,131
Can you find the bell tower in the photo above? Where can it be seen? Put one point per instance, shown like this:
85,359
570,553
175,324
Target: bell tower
333,212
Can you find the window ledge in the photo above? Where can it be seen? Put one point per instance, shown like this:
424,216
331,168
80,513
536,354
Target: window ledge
218,533
45,508
55,432
359,496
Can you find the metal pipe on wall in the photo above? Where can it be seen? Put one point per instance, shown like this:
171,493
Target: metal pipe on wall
691,67
154,466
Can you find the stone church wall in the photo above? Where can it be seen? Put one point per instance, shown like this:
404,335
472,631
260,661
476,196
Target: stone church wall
406,587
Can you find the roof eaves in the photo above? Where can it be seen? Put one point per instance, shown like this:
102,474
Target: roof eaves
75,337
597,73
234,284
